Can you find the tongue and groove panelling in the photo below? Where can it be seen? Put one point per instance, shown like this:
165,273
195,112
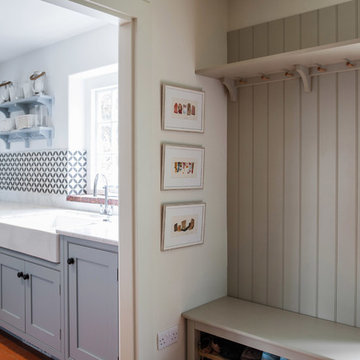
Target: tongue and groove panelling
293,196
319,27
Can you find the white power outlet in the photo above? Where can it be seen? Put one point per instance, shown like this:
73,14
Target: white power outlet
168,337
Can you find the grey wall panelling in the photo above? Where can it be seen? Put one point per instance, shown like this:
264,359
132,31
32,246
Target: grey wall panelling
347,20
291,195
294,198
233,45
358,18
245,184
347,195
260,197
276,37
292,33
275,193
357,284
309,29
233,195
327,137
308,200
246,43
260,40
319,27
327,25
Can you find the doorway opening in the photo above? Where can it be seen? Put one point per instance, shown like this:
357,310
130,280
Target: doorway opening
92,113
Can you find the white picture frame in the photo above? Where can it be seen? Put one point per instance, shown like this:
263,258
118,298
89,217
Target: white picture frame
183,224
174,117
182,167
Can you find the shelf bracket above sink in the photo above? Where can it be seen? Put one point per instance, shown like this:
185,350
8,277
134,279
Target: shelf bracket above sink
304,73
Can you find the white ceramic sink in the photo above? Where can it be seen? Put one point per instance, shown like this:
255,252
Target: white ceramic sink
35,234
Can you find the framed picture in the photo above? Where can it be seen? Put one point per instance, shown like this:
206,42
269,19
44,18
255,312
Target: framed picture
182,167
182,109
182,225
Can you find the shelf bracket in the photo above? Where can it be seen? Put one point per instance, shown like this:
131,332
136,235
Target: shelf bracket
303,71
229,85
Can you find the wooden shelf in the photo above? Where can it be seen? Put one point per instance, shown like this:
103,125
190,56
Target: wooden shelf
27,135
211,356
25,104
325,54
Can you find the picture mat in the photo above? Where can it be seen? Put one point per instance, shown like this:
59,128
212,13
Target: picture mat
188,154
171,214
171,121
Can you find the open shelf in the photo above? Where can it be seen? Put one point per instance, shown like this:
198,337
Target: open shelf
211,356
27,135
25,104
325,54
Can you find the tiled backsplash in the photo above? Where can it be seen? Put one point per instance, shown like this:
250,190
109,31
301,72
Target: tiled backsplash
52,172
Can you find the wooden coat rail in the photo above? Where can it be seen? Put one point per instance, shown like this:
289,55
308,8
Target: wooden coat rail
299,71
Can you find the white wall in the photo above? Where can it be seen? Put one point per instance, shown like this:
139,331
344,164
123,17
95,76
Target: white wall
244,13
170,40
77,54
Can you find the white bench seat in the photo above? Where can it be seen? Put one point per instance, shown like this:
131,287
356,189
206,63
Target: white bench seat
284,333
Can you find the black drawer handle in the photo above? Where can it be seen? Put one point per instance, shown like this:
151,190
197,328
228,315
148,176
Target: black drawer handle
20,274
71,261
26,277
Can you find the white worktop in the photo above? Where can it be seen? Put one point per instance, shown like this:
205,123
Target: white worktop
105,232
297,334
101,231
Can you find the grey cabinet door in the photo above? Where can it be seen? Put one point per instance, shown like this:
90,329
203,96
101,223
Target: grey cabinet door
12,292
43,305
92,312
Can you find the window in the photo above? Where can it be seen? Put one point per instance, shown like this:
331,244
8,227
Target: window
104,137
93,123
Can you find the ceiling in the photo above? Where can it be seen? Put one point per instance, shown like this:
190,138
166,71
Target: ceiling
27,25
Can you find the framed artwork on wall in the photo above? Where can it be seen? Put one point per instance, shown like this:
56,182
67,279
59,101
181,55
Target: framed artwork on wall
182,109
182,225
182,167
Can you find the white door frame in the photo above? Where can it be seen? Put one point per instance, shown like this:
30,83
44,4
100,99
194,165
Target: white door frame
126,161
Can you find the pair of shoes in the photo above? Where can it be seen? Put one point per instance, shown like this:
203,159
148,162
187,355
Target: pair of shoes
268,356
251,354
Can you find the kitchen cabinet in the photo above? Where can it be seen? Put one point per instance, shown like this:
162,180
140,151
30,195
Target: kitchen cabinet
92,298
43,305
68,310
31,299
12,289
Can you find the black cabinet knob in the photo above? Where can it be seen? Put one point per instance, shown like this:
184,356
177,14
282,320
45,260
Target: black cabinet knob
20,274
26,277
71,261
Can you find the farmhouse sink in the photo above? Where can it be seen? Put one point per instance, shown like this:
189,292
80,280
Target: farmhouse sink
35,234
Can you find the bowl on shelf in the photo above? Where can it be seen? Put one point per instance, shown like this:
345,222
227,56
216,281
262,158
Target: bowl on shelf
7,124
25,121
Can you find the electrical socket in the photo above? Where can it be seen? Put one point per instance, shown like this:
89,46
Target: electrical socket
167,337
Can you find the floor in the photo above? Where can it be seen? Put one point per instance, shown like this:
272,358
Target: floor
12,349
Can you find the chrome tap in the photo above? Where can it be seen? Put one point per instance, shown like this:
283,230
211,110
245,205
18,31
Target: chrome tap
106,209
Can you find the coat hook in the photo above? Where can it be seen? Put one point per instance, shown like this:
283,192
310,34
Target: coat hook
264,77
320,68
349,64
289,74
